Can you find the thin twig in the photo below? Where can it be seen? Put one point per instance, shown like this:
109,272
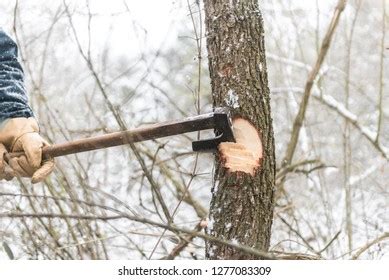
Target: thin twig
298,122
369,244
183,243
173,228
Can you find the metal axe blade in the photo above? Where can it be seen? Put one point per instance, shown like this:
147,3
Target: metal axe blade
223,132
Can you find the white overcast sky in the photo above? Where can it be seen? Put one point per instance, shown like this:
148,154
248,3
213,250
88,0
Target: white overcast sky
111,20
160,18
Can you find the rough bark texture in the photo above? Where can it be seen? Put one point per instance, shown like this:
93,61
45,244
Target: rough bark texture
242,205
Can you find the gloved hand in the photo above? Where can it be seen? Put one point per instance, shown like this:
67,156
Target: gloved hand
22,135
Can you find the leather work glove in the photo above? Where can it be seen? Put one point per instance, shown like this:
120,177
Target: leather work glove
22,135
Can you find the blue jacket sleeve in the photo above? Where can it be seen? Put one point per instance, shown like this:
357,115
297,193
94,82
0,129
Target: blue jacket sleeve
13,98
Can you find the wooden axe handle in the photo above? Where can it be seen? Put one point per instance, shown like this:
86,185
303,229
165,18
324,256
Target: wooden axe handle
201,122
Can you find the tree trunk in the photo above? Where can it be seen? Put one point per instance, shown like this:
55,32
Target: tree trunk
242,205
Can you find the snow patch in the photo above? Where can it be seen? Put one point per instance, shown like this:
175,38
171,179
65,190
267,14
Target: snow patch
210,223
232,99
358,178
214,18
234,241
370,134
339,107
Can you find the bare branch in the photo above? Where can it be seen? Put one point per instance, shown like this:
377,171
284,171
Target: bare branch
243,248
369,244
298,122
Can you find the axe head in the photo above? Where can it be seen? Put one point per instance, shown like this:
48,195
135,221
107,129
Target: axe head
223,132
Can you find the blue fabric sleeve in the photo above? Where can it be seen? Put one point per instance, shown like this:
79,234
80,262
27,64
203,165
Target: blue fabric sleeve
13,98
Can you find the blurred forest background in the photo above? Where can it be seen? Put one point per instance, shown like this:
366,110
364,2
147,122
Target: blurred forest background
94,67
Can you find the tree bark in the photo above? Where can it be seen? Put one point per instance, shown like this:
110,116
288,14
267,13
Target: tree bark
242,205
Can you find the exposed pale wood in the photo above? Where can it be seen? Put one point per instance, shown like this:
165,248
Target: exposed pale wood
246,154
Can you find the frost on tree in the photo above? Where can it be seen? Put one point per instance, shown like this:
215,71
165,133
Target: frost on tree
241,208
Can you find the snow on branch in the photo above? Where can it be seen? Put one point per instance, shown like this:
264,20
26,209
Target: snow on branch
325,69
338,107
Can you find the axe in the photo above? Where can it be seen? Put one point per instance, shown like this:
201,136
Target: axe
219,120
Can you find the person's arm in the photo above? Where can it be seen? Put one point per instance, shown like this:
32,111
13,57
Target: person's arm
13,98
19,131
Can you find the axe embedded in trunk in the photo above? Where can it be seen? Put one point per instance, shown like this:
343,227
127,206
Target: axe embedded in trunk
219,120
